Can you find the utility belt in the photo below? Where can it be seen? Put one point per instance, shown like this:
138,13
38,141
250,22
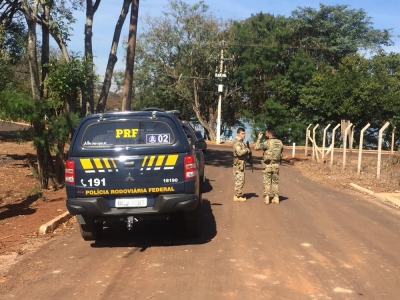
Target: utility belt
237,160
271,161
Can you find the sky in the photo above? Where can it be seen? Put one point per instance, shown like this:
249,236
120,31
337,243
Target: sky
384,15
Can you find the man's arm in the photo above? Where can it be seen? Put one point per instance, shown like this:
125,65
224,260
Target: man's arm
240,151
258,144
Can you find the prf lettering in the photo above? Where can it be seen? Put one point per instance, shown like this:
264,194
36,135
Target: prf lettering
126,133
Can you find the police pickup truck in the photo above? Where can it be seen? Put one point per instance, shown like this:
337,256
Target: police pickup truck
133,166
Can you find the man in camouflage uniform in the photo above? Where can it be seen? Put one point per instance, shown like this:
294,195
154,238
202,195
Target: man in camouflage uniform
272,156
240,152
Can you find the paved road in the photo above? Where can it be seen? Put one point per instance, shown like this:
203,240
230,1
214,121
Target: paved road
319,243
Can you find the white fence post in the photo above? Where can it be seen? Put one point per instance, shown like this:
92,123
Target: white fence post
323,143
333,142
378,168
351,139
307,135
313,136
392,146
294,150
345,144
361,147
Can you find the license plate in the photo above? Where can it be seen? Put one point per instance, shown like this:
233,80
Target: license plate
131,202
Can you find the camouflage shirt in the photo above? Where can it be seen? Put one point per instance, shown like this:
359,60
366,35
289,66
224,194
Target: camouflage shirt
240,149
272,148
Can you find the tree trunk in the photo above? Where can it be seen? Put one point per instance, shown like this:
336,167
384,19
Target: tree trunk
112,58
61,45
59,163
130,57
208,126
87,104
30,13
45,50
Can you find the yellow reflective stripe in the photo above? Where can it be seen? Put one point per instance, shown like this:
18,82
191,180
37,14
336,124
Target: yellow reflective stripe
171,160
97,162
106,163
113,162
160,160
144,161
151,161
86,163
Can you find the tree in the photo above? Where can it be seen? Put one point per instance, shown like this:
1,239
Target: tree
334,32
65,82
31,10
359,89
278,56
112,58
88,99
176,60
130,57
260,49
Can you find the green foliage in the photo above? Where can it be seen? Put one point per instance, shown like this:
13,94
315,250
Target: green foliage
13,41
6,74
304,69
285,72
275,115
15,106
333,32
61,128
259,45
176,58
64,83
361,90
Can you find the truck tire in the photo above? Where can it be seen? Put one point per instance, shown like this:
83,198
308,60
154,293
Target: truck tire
91,232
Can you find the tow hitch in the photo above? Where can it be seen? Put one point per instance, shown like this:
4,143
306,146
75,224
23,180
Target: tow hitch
130,221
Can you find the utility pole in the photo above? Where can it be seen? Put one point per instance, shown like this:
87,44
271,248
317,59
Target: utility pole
220,73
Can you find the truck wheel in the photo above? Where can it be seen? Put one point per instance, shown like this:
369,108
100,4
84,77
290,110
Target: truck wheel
91,232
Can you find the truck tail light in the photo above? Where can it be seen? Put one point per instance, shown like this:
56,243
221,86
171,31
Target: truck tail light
70,171
189,166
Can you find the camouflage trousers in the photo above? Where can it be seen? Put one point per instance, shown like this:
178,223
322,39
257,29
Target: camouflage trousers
271,179
238,175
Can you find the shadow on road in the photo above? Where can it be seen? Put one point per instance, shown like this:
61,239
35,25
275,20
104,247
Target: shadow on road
221,157
11,132
206,187
251,195
161,233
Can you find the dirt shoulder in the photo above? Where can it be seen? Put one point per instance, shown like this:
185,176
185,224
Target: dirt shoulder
23,206
339,177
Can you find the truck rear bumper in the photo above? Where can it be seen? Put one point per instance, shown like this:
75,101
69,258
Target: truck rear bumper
164,204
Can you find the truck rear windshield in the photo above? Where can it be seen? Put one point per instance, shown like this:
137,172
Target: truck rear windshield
127,132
